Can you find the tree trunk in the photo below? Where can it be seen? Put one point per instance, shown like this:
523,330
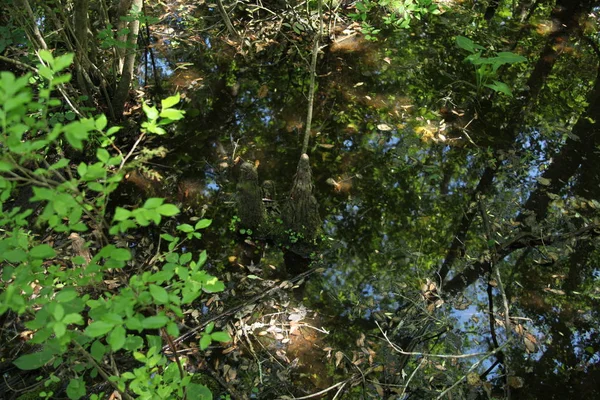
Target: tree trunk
129,62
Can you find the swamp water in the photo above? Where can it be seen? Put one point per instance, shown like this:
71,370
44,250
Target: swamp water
398,147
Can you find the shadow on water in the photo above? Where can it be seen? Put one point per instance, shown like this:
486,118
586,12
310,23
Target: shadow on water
398,148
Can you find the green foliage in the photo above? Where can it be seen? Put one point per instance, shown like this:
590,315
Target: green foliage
10,36
74,330
397,14
486,68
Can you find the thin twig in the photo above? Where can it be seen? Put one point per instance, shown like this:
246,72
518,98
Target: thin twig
415,353
317,394
124,160
101,371
421,363
473,367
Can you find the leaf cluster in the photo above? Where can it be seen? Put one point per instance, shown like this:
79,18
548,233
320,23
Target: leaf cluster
47,286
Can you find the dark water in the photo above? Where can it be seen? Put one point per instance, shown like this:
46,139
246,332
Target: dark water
425,188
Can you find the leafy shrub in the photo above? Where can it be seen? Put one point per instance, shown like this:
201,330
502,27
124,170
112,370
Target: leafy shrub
75,328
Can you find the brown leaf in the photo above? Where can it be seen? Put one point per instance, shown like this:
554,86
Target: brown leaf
519,330
339,356
529,344
360,342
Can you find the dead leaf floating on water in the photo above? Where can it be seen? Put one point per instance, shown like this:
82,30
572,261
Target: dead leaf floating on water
473,379
326,146
543,181
529,341
555,291
384,127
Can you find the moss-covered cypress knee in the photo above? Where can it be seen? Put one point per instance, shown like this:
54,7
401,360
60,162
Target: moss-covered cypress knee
301,213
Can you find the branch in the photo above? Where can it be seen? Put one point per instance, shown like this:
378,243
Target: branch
416,353
471,370
226,19
18,64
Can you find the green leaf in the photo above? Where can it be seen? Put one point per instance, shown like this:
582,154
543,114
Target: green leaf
73,318
120,254
212,285
221,337
167,237
151,112
35,360
102,155
172,328
59,312
159,294
101,122
155,322
42,251
500,87
468,44
168,210
82,169
116,339
133,343
5,166
185,228
134,323
170,101
97,350
202,224
209,328
46,56
63,61
128,375
112,130
14,256
185,258
205,342
112,318
506,57
196,391
98,328
66,295
153,202
76,388
172,114
63,162
203,258
121,214
96,186
59,329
